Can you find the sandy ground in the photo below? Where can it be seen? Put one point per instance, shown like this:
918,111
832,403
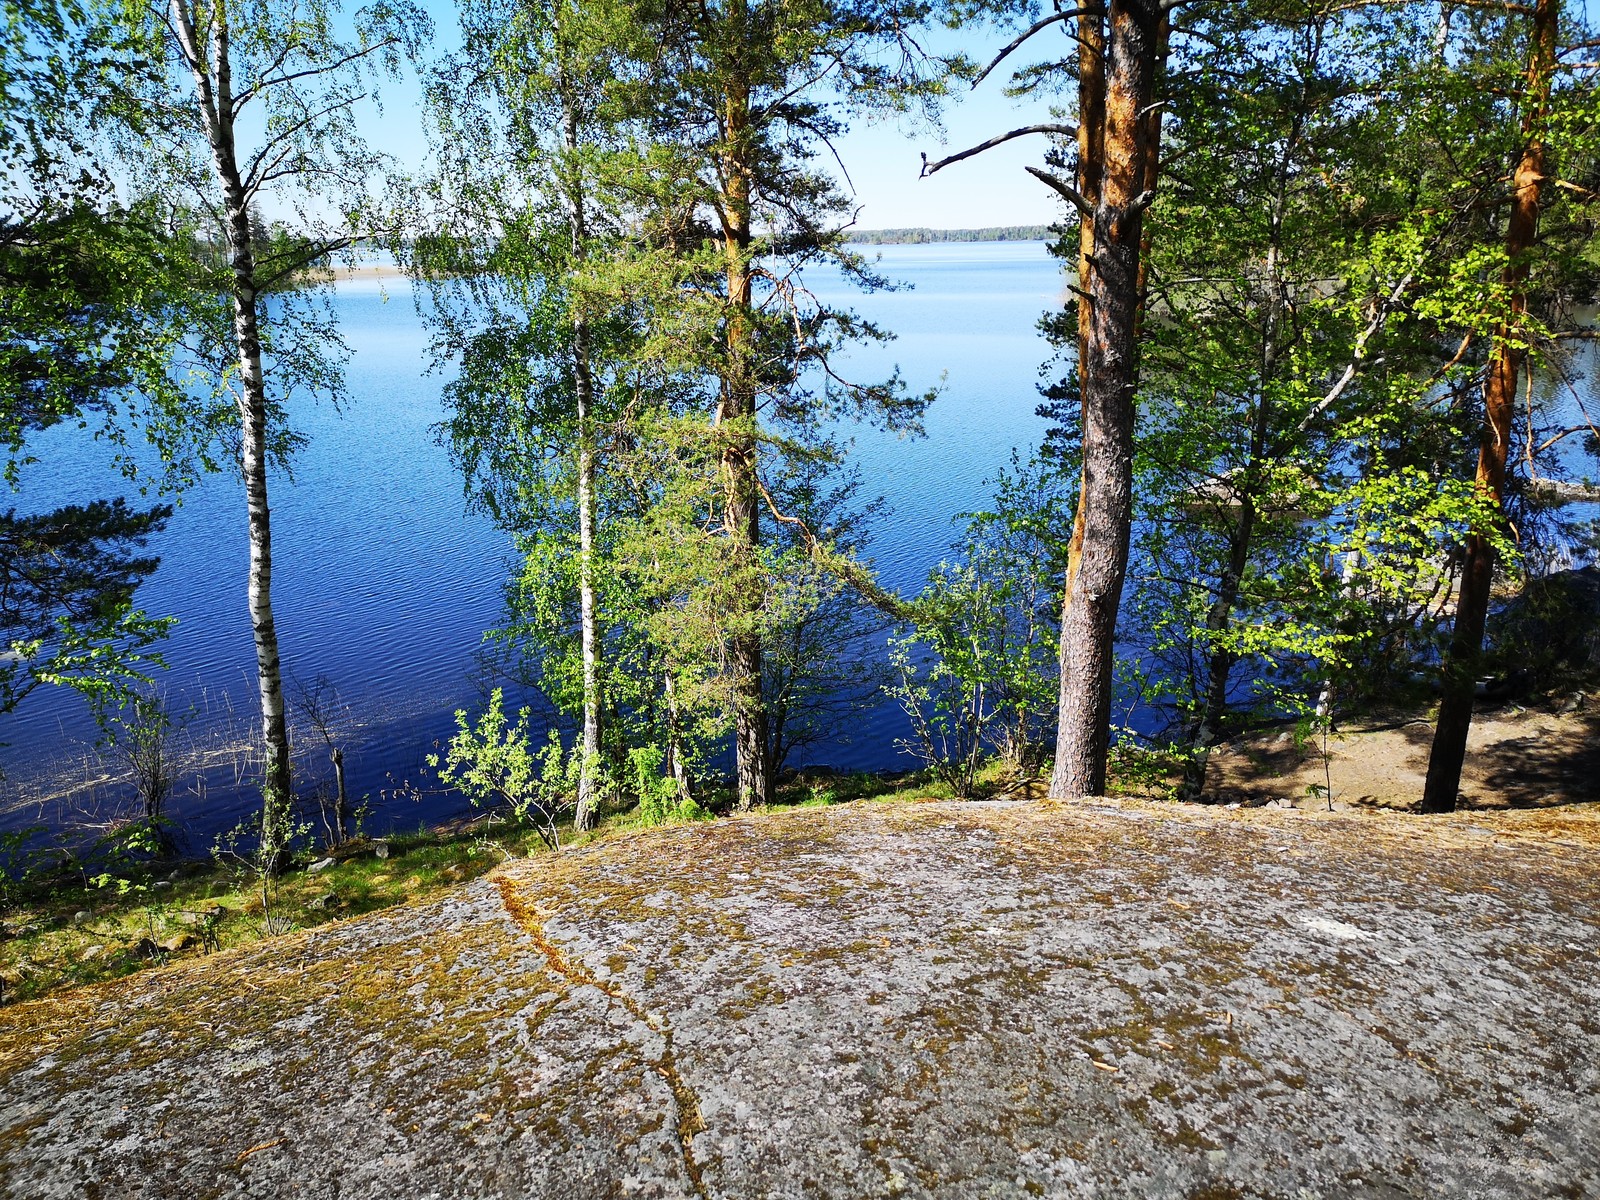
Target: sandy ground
1516,758
367,271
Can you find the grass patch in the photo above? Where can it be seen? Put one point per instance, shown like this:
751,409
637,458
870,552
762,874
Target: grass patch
59,931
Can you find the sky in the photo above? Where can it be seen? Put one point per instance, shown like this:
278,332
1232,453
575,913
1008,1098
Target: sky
881,159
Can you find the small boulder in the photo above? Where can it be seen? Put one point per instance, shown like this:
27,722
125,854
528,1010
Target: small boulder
82,916
321,865
381,849
178,941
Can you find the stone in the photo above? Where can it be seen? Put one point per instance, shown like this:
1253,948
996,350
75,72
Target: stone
325,901
178,941
321,865
381,849
873,1000
81,916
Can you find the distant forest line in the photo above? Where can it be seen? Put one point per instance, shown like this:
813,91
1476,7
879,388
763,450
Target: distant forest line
914,237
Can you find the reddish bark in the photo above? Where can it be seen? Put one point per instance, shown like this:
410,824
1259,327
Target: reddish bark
1499,403
1107,372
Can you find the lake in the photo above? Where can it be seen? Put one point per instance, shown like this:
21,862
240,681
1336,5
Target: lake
383,584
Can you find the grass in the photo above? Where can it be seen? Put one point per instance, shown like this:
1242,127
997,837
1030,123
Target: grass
61,931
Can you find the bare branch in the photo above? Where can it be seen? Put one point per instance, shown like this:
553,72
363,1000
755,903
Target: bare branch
1011,47
839,565
1064,189
262,85
928,168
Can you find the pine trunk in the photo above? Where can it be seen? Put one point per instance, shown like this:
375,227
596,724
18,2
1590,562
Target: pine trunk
741,512
1107,375
1506,361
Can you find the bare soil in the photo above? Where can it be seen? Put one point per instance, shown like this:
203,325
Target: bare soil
1517,757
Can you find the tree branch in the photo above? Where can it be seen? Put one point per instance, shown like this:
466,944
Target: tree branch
1064,189
1011,47
928,168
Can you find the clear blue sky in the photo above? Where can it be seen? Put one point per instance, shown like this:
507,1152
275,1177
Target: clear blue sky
882,159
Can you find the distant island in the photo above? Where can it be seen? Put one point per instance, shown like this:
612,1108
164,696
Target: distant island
995,233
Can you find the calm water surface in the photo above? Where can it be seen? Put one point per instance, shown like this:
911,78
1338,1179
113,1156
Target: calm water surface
383,584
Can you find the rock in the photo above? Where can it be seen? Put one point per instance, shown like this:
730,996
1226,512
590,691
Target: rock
210,916
178,941
90,953
321,865
162,885
324,901
381,849
865,1000
81,916
147,948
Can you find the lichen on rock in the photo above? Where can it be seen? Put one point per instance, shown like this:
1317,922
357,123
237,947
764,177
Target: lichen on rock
913,1000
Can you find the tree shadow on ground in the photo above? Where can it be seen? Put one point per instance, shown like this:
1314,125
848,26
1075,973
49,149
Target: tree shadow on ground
1521,758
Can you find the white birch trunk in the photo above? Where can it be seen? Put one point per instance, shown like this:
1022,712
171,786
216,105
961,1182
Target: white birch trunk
211,68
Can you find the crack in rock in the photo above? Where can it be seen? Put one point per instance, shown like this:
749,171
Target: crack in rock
687,1105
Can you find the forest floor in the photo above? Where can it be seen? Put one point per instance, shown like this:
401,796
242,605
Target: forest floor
1119,999
1535,756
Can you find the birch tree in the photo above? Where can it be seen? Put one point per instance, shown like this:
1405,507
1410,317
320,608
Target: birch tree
530,245
259,109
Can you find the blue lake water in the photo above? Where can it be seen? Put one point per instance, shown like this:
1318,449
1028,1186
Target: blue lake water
384,585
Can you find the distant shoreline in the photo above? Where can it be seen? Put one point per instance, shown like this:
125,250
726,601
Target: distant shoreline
917,235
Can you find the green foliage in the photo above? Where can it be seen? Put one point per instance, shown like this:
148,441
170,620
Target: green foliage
21,862
495,762
977,671
66,613
660,800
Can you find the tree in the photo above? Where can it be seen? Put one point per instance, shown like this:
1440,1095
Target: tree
819,664
89,305
534,279
754,91
977,668
1266,469
259,103
1533,173
1122,50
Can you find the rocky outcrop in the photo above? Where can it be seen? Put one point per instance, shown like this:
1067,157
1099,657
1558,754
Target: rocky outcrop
918,1000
